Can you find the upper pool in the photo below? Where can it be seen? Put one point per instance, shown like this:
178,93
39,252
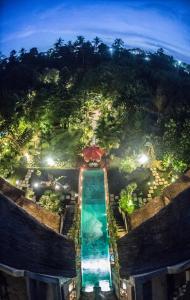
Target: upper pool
95,258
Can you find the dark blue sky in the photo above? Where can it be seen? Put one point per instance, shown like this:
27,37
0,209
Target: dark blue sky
149,24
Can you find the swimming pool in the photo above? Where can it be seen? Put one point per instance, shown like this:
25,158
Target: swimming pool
95,257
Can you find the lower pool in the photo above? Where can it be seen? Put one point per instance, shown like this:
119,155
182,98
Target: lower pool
95,258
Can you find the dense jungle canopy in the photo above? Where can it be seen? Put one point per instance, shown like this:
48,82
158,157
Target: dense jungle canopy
47,102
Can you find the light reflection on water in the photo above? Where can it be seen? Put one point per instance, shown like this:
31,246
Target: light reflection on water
95,259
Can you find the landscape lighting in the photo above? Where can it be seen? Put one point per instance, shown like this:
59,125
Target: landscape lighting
57,187
36,185
143,159
50,161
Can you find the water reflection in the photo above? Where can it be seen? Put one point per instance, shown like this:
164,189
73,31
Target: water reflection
94,244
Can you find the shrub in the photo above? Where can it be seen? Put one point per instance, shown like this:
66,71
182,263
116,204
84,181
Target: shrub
51,201
126,201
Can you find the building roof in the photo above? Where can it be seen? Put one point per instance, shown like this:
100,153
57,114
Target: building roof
44,216
29,245
161,241
93,153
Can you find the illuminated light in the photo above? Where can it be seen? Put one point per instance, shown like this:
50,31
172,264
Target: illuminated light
124,285
17,182
57,187
143,158
89,288
104,285
36,185
179,62
50,161
65,186
149,183
147,58
111,50
70,287
27,156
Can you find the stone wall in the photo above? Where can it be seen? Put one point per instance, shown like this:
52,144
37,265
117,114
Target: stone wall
50,219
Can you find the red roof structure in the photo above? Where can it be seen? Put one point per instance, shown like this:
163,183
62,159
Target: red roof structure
93,153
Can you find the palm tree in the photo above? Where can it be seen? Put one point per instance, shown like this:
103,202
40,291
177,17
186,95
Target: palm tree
96,42
58,44
80,41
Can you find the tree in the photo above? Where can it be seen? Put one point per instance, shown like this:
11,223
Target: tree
118,45
58,44
55,92
96,42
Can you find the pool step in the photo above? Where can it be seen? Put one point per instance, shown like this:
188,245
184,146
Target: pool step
121,230
98,295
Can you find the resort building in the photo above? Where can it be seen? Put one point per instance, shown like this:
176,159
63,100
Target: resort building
77,255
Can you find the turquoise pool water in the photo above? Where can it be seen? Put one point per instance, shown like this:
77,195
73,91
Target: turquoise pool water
95,258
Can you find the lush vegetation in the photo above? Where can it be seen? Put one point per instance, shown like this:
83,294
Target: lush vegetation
48,99
126,201
52,201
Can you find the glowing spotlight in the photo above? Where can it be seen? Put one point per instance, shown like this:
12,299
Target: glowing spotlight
179,62
147,58
124,284
36,185
57,187
89,288
71,287
50,161
111,50
104,285
143,159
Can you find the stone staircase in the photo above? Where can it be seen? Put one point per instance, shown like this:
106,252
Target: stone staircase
121,229
24,184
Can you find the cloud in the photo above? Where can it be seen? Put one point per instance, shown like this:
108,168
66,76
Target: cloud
50,12
27,32
147,24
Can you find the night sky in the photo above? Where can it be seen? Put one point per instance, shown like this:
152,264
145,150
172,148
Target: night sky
140,23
